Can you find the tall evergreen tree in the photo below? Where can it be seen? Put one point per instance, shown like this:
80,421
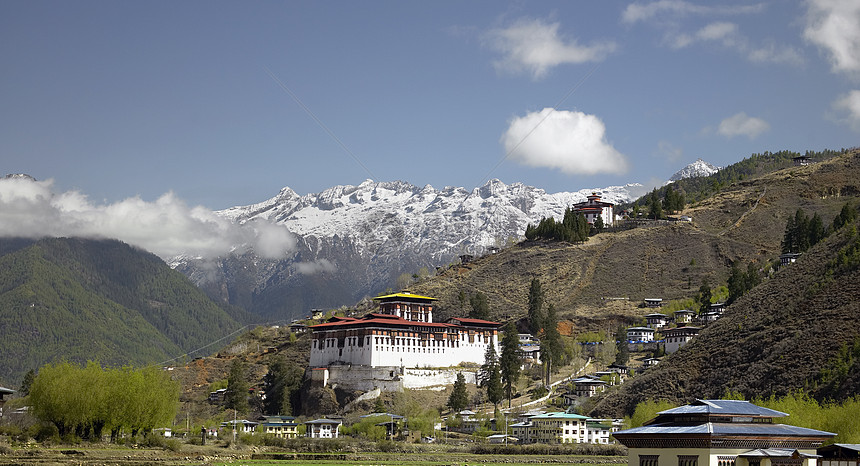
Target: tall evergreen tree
459,396
491,376
281,384
655,208
480,306
704,297
623,353
509,362
551,344
236,396
737,283
536,314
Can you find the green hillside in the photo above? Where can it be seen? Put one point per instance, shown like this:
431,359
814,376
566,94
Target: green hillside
97,299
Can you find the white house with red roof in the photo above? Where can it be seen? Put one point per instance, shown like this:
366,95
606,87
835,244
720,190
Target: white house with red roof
402,334
593,208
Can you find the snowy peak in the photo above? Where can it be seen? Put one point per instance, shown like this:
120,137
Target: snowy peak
697,168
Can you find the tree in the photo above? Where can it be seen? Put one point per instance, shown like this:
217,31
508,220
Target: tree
236,396
509,362
281,384
598,224
655,208
704,297
623,353
27,382
459,396
736,284
551,344
490,377
536,315
847,215
480,306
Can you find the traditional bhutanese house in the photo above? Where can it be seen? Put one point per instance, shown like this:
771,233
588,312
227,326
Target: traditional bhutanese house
558,427
593,208
684,316
279,426
788,258
840,454
720,433
649,362
4,392
322,428
718,307
598,433
529,354
502,438
656,320
243,426
802,161
640,334
298,328
618,369
653,302
588,387
402,333
675,338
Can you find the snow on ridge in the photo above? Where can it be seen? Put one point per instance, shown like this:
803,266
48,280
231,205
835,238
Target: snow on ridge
697,168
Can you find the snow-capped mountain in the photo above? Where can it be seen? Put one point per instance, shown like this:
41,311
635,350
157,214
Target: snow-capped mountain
353,241
697,168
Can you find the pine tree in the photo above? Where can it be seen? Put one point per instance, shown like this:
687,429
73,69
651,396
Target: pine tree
536,314
551,344
509,362
655,208
236,396
480,306
27,382
623,353
491,377
281,384
704,297
459,396
737,283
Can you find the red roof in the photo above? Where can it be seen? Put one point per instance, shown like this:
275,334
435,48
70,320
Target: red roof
388,320
467,320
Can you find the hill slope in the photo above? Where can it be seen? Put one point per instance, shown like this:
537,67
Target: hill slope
781,336
97,299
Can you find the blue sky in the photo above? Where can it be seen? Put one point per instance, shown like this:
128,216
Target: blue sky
133,100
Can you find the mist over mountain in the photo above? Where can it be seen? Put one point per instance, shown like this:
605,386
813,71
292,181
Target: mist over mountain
353,241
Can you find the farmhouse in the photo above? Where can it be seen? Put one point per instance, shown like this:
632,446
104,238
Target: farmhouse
677,337
656,320
653,302
593,208
720,433
322,428
279,426
840,454
3,393
588,386
640,334
684,316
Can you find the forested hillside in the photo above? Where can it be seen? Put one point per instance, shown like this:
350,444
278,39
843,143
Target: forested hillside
103,300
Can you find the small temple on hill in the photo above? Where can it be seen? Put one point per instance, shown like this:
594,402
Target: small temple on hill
593,208
402,334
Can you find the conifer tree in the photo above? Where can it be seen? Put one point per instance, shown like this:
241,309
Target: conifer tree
281,384
536,314
623,353
509,362
480,306
459,396
704,297
236,396
551,344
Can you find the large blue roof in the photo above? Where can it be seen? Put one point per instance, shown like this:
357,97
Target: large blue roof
720,429
724,407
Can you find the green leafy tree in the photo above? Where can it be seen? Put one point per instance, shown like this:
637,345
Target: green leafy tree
236,396
459,396
480,306
281,384
535,313
509,362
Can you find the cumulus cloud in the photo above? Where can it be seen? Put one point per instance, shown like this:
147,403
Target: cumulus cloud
636,12
742,124
834,26
167,227
315,267
535,47
570,141
848,107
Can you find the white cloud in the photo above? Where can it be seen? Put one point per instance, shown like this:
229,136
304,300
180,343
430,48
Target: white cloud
572,142
834,26
535,46
742,125
167,227
729,36
848,106
637,12
315,267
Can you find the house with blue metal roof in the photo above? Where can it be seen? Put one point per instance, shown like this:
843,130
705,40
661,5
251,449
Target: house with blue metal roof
721,433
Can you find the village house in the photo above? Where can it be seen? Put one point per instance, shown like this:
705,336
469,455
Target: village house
593,208
802,161
558,427
242,426
598,432
322,428
649,362
675,338
588,386
840,454
653,302
279,426
656,320
684,316
4,392
298,328
720,433
619,369
402,334
640,334
788,258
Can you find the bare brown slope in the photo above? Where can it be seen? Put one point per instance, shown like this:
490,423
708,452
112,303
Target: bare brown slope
773,340
744,222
